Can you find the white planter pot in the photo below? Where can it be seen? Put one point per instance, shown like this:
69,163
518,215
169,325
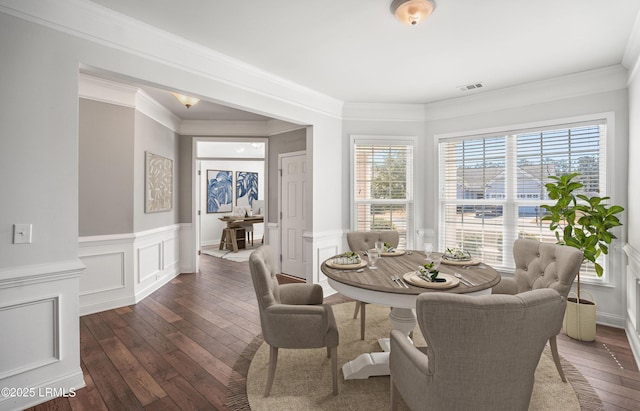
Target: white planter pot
580,319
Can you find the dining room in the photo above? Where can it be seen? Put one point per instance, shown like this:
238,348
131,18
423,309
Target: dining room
441,200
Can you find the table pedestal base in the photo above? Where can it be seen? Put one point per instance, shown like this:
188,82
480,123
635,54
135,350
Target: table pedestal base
377,363
366,365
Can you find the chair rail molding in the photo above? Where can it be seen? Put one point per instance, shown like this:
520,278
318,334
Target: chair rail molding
123,269
32,274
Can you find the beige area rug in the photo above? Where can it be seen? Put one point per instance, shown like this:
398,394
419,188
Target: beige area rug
241,256
303,377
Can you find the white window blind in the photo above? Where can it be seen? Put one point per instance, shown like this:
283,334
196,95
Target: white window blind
491,187
383,187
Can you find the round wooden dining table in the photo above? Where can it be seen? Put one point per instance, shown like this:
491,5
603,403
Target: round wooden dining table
386,285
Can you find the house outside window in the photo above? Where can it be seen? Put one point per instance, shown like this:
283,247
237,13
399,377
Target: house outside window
492,185
382,185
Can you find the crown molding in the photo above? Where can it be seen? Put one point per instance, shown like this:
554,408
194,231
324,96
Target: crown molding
387,112
275,127
156,111
223,128
558,88
98,24
111,92
106,91
631,56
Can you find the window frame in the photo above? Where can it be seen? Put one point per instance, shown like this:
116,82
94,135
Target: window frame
608,140
384,140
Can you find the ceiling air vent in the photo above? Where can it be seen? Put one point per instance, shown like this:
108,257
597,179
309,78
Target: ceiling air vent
472,86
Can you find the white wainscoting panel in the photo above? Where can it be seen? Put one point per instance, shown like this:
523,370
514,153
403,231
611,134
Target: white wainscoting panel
40,332
323,254
633,300
320,246
123,269
107,282
156,259
170,255
39,341
107,273
149,263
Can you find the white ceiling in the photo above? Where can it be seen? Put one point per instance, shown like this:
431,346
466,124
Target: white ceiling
355,50
203,111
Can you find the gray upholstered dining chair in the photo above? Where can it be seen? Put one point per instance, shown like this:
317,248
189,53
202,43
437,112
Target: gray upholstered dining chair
481,354
542,265
363,241
291,315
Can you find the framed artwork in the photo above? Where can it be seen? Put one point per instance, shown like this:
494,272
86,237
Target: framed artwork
246,188
158,183
219,191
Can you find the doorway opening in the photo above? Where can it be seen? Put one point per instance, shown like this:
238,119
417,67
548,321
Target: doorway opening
230,196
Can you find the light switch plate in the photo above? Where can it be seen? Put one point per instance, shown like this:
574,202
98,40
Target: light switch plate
22,234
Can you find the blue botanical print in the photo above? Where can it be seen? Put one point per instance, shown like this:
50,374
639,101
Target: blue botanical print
246,188
219,192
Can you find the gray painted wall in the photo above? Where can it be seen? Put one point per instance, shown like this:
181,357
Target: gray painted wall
38,144
282,143
113,142
105,169
156,138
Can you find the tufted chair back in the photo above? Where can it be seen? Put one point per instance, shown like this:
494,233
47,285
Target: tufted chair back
366,240
545,265
542,265
265,282
481,352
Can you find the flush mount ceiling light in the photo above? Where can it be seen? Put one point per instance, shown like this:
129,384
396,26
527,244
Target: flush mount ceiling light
412,12
186,100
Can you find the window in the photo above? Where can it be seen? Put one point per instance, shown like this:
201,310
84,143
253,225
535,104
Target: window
492,186
382,186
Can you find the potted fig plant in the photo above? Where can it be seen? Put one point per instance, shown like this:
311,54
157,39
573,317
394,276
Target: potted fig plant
584,222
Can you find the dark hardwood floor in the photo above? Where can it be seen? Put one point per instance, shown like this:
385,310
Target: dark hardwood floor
177,348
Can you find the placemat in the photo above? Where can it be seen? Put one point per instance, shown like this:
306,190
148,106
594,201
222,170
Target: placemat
464,262
395,253
413,278
361,264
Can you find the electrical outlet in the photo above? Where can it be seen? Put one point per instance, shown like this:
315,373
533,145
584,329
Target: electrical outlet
22,234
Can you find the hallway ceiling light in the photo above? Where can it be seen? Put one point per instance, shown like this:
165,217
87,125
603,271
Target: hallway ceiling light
186,100
412,12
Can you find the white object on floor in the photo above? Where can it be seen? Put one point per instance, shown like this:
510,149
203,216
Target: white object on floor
241,256
366,365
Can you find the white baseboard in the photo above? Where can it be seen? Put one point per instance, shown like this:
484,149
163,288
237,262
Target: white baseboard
610,320
144,293
634,342
99,306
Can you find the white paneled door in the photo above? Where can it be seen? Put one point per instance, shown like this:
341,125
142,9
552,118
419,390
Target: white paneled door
293,213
